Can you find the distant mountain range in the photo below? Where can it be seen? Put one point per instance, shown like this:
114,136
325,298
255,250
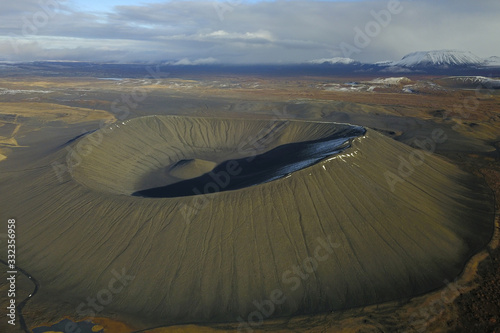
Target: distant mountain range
423,61
442,59
334,61
441,62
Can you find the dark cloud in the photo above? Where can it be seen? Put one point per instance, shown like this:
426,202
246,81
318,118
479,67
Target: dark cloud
234,32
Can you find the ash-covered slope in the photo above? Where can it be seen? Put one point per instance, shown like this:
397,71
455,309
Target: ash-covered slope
328,237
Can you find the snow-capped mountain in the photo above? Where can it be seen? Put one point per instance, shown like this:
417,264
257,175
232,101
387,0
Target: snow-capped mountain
450,62
492,61
334,61
439,59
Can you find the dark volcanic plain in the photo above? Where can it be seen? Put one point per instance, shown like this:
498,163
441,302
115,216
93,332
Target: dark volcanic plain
41,114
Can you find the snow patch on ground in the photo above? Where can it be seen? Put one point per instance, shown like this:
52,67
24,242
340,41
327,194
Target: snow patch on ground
391,80
478,80
5,91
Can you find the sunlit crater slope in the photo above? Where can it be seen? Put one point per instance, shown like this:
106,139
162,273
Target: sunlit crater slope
206,258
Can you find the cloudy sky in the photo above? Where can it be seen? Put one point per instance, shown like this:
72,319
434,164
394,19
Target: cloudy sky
243,31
